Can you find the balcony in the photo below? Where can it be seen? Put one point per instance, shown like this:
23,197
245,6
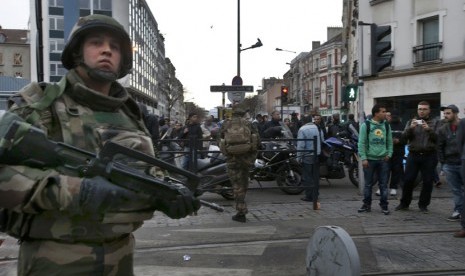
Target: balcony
427,53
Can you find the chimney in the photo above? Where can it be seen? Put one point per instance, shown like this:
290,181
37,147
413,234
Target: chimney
332,32
315,45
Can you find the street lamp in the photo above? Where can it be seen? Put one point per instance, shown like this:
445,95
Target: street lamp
239,50
283,50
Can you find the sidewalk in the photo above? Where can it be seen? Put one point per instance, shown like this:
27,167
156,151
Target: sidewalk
276,237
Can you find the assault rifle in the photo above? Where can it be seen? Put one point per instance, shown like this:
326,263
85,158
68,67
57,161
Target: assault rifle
23,144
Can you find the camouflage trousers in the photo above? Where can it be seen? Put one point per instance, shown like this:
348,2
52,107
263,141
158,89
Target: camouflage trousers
238,172
46,257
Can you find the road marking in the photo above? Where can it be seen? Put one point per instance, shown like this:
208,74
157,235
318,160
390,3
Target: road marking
235,230
254,250
153,270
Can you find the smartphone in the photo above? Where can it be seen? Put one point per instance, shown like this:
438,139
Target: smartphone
420,122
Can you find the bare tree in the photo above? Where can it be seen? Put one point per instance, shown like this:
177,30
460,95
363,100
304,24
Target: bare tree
254,104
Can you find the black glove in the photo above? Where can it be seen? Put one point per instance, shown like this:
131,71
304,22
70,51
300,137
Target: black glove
182,206
98,195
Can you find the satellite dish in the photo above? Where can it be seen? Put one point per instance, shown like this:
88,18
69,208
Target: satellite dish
343,59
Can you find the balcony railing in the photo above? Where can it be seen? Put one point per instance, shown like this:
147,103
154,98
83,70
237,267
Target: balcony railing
427,52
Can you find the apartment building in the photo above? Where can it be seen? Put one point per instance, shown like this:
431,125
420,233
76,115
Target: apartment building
314,77
427,47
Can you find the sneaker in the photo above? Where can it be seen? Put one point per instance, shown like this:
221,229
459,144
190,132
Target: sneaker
401,207
306,199
460,234
393,192
364,208
385,210
378,192
454,217
239,217
424,210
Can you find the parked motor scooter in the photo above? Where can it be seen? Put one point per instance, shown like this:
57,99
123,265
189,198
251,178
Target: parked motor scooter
338,152
277,161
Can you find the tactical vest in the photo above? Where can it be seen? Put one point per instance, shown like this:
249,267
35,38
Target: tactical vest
63,119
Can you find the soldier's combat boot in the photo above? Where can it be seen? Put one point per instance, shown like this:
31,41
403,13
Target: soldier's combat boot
239,217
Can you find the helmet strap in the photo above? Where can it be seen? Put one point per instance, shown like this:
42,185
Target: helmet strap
99,75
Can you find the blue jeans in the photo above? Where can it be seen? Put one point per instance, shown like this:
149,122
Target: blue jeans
381,168
454,179
311,180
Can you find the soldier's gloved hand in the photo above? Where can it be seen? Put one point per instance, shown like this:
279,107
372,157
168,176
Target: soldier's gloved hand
182,206
98,195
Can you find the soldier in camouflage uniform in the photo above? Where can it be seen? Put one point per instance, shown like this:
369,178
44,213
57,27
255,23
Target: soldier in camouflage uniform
82,226
238,167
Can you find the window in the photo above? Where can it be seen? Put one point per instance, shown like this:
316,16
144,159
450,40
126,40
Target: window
55,3
429,42
57,69
18,74
56,23
84,4
102,5
430,32
57,45
17,59
322,62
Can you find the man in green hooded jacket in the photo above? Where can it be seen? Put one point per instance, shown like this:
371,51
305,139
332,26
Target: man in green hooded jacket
375,149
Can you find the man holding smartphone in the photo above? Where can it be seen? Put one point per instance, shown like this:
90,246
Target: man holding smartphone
420,134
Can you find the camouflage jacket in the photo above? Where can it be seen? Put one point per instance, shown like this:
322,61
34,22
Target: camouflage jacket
86,119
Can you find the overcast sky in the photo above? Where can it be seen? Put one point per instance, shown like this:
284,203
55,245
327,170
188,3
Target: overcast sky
201,37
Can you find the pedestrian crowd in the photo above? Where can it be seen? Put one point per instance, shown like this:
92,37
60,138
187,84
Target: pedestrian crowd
396,156
431,143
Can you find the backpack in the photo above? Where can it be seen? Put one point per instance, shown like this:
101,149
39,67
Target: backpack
238,138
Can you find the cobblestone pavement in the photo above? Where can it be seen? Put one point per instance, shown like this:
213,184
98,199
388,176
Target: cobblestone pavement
402,242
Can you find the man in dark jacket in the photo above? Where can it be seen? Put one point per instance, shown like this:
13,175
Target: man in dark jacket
192,133
449,156
461,147
272,128
335,126
420,134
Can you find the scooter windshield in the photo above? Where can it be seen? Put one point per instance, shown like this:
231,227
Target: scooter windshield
286,131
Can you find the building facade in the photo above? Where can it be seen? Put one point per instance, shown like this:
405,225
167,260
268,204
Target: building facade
15,59
315,77
428,61
148,74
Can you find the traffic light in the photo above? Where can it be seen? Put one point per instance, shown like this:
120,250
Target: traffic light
350,93
380,45
284,94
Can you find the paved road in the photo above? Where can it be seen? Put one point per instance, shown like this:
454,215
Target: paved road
274,240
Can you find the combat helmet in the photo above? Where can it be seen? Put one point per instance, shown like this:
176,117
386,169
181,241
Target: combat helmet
97,22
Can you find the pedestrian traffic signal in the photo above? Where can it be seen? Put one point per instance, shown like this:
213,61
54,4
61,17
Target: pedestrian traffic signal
380,46
350,93
284,94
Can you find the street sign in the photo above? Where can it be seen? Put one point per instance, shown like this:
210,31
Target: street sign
236,80
231,88
236,97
